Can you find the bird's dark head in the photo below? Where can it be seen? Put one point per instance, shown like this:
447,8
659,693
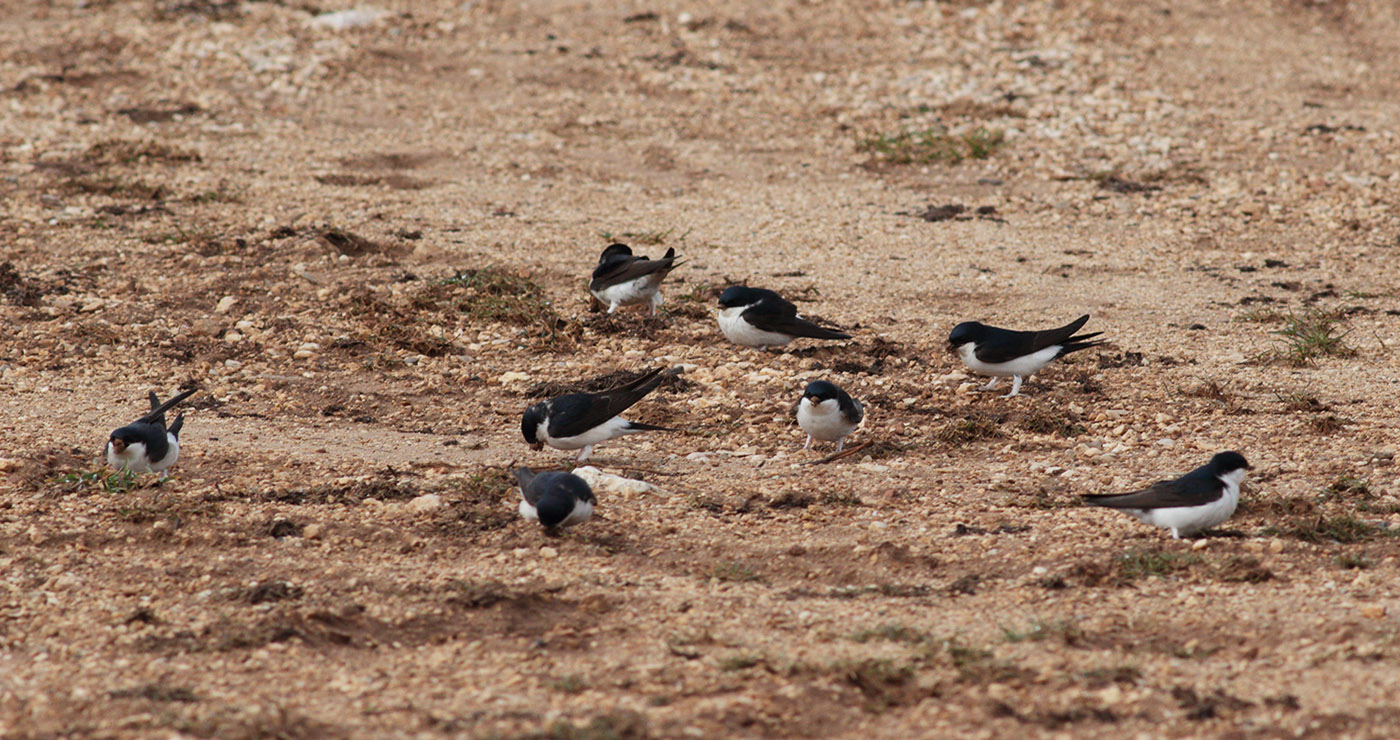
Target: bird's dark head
615,250
531,421
967,331
1229,462
553,510
739,295
523,476
821,390
124,438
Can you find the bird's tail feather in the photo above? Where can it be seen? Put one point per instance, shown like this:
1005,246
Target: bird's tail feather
157,414
1076,343
637,426
820,332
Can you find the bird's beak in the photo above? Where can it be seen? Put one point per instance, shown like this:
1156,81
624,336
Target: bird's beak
118,446
537,446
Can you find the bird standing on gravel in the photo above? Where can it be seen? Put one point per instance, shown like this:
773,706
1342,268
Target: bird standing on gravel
1199,500
1003,353
828,413
582,420
146,445
620,279
554,499
755,317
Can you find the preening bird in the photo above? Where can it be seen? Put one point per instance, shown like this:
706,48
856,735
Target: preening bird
621,279
146,445
581,420
554,499
756,317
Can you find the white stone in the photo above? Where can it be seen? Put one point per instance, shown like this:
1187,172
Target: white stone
602,482
425,503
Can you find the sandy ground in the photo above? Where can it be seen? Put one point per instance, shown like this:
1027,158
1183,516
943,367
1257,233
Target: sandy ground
236,197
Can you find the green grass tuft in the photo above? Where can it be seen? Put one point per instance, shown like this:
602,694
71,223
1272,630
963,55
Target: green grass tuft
891,633
1309,335
740,662
1144,563
100,478
733,572
931,146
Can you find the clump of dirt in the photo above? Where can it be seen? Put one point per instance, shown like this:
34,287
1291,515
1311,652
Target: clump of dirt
972,426
424,317
18,289
387,485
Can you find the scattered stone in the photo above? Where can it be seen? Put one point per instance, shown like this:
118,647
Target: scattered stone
425,503
602,482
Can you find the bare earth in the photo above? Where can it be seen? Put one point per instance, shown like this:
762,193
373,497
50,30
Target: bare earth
224,195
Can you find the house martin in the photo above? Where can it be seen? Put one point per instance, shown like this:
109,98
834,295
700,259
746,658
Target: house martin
1199,500
1002,353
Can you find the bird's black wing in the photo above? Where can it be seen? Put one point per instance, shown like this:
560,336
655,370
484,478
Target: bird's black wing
776,315
623,270
1192,489
851,408
1004,345
526,478
576,413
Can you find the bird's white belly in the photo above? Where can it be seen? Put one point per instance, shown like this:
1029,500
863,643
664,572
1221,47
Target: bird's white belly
636,290
1188,520
1022,366
171,455
527,511
583,510
134,457
610,429
823,420
739,331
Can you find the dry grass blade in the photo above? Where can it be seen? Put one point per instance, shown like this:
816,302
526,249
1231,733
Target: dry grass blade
833,457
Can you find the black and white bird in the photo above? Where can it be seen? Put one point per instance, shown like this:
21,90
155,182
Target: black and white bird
147,445
1199,500
828,413
755,317
1003,353
554,499
582,420
621,279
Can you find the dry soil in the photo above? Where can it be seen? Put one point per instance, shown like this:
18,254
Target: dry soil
367,248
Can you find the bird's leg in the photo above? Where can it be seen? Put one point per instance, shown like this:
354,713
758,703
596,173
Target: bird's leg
990,384
808,446
583,455
1175,534
1015,386
612,307
840,444
656,303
